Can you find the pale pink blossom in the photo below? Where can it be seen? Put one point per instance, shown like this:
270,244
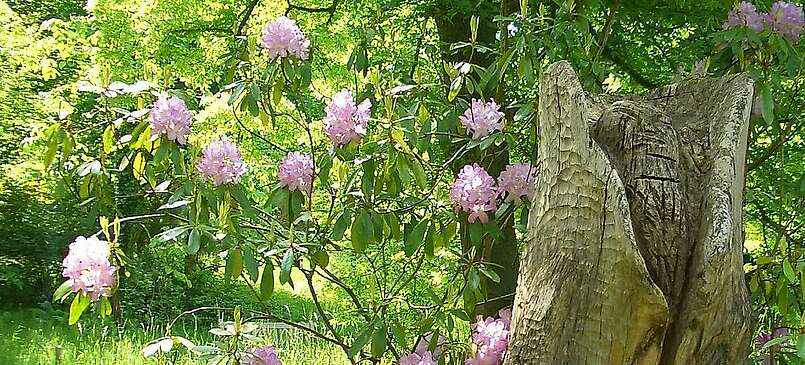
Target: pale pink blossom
423,345
169,116
283,38
517,182
346,121
482,119
221,162
474,193
87,267
491,339
296,172
744,15
786,19
425,358
261,356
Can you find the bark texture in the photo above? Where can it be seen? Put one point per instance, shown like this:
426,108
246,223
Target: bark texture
633,254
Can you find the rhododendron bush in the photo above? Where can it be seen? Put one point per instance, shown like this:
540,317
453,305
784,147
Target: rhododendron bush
421,178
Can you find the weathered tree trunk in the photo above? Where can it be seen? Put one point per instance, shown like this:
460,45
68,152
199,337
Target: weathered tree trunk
634,247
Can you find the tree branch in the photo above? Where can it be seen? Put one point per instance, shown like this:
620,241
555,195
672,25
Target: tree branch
329,9
245,14
629,69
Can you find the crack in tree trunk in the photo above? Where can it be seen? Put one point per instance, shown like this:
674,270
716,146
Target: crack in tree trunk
634,244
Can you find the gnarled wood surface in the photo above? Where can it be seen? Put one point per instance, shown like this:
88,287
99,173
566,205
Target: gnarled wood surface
635,236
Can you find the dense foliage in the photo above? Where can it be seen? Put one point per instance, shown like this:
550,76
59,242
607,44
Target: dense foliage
376,152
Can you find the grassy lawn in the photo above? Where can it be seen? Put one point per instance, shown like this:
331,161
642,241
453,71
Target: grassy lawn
32,337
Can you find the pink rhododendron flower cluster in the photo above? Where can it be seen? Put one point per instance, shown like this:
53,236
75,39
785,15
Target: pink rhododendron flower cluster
764,357
346,121
423,345
220,161
170,117
784,18
88,268
744,15
491,339
425,358
474,193
296,172
283,38
482,118
516,182
261,356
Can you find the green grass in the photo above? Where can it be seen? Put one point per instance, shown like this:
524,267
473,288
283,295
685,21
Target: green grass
32,337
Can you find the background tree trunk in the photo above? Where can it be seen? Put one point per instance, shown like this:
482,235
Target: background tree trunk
635,238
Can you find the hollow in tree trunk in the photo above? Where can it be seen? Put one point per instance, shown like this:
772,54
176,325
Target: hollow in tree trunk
634,247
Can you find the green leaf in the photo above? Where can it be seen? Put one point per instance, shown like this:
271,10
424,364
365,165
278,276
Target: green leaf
108,139
359,342
341,225
79,305
286,265
766,103
50,154
404,169
415,238
321,258
379,340
250,263
419,174
173,233
474,27
63,291
276,91
362,231
399,335
267,281
789,272
491,274
368,178
193,242
234,263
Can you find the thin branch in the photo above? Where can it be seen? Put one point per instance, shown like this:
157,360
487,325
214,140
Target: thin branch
245,15
329,9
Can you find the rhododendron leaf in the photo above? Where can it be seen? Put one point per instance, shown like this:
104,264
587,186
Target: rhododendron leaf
789,272
469,301
193,242
415,237
399,334
250,263
105,307
379,340
321,258
419,174
403,169
766,103
267,281
476,233
360,342
243,200
79,305
394,225
50,153
108,139
801,346
362,231
139,166
368,178
173,233
341,225
276,91
285,267
234,264
491,274
63,291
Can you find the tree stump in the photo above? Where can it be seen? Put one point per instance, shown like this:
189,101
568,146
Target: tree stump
635,237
